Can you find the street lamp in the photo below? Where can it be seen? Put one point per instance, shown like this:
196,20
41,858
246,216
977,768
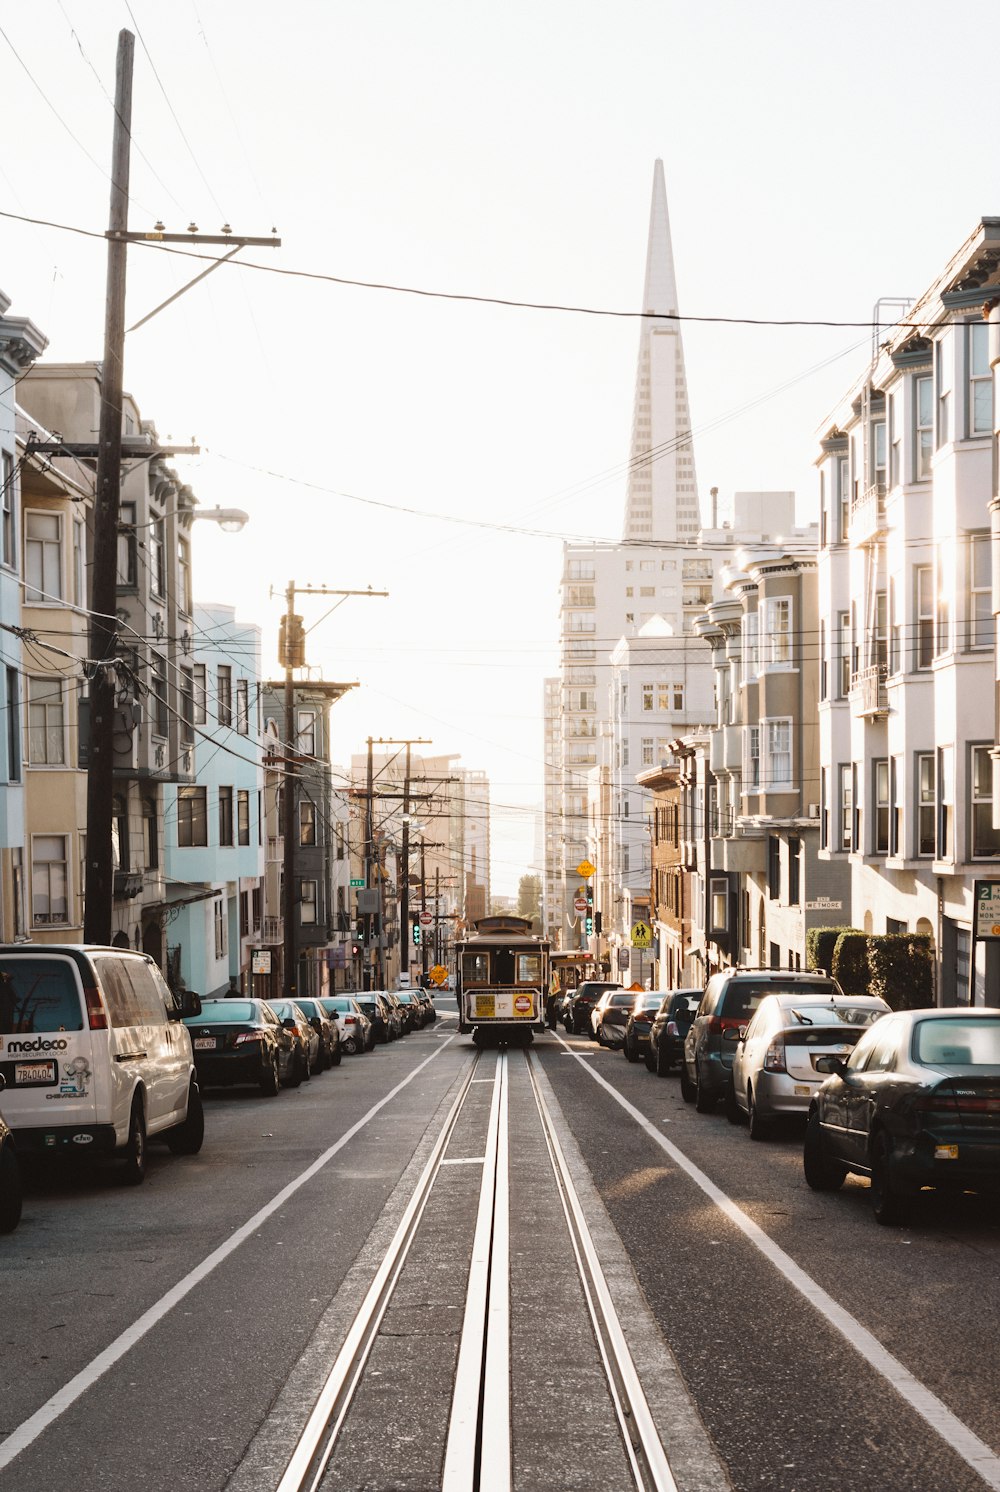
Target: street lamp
230,520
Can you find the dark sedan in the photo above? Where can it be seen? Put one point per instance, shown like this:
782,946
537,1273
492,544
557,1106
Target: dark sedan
413,1011
916,1104
375,1007
580,1005
242,1041
671,1025
328,1031
639,1023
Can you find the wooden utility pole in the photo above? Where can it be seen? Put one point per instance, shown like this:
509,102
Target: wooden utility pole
99,879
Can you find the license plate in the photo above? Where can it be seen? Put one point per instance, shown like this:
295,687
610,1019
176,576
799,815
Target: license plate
34,1072
485,1007
204,1043
802,1090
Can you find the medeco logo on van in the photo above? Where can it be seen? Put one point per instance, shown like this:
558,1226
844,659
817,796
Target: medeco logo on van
40,1044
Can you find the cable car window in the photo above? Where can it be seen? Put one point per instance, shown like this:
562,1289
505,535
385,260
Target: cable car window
475,968
529,968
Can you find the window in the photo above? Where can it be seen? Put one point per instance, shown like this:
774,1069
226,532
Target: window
624,699
751,646
880,806
824,672
126,546
663,696
647,696
49,880
774,867
985,839
219,918
119,832
187,704
895,807
846,808
307,902
158,682
151,833
844,634
7,555
243,816
305,732
923,396
980,380
224,694
13,726
42,556
844,496
981,626
895,628
824,808
778,627
79,563
200,694
925,804
192,816
646,751
945,801
225,815
242,707
794,870
184,576
157,552
719,897
923,580
46,722
778,746
307,823
751,770
942,614
678,696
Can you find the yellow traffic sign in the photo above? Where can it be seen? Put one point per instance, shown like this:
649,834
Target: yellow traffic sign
642,935
439,974
585,870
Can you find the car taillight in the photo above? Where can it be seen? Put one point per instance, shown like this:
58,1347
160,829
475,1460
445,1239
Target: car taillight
294,1030
718,1023
958,1103
672,1028
774,1060
350,1020
97,1018
245,1036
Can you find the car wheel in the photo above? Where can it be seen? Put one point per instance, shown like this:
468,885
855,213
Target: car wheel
307,1071
271,1080
187,1137
688,1090
349,1045
631,1050
661,1063
760,1129
889,1200
337,1056
733,1111
822,1175
133,1171
704,1101
651,1059
295,1074
10,1190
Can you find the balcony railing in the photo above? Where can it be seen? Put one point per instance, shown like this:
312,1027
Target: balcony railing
868,691
868,513
272,930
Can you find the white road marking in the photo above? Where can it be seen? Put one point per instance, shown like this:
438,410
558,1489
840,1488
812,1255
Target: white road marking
930,1408
21,1437
465,1160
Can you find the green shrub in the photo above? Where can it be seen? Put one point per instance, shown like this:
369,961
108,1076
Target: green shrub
820,943
901,970
850,962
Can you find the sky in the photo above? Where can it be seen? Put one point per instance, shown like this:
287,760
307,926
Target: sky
817,158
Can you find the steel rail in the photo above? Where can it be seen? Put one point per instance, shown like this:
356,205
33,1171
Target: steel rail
316,1444
647,1458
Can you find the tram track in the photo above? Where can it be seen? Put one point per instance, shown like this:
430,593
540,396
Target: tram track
478,1452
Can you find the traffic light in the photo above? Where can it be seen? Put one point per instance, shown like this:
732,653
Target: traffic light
416,934
355,950
588,925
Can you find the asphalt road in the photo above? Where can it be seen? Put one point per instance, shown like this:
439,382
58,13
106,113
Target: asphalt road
242,1278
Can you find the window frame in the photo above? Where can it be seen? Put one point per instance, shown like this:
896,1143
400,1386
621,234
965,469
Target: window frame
44,593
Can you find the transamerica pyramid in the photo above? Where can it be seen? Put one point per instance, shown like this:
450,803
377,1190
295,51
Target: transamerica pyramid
662,499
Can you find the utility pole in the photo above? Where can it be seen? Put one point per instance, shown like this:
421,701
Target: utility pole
99,877
423,908
404,876
294,657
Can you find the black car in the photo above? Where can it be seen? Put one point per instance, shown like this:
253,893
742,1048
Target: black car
10,1178
305,1038
374,1006
639,1023
328,1031
413,1013
238,1040
916,1104
670,1026
578,1010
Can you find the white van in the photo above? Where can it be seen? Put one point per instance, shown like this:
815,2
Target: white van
95,1055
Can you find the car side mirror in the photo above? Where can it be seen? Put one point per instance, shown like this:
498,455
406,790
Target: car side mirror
315,1023
289,1023
831,1064
743,1033
186,1003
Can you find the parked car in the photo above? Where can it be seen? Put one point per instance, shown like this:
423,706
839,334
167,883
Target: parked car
305,1038
396,1014
238,1040
775,1065
373,1005
916,1104
10,1177
730,999
94,1054
427,1003
354,1026
576,1015
608,1017
670,1027
328,1030
637,1027
413,1009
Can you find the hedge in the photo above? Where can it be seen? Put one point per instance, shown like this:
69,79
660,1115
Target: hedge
850,963
820,943
901,970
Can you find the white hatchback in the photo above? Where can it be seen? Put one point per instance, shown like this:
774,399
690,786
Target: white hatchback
95,1055
774,1067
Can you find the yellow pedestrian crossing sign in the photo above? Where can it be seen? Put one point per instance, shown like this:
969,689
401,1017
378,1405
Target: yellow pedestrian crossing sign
642,935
